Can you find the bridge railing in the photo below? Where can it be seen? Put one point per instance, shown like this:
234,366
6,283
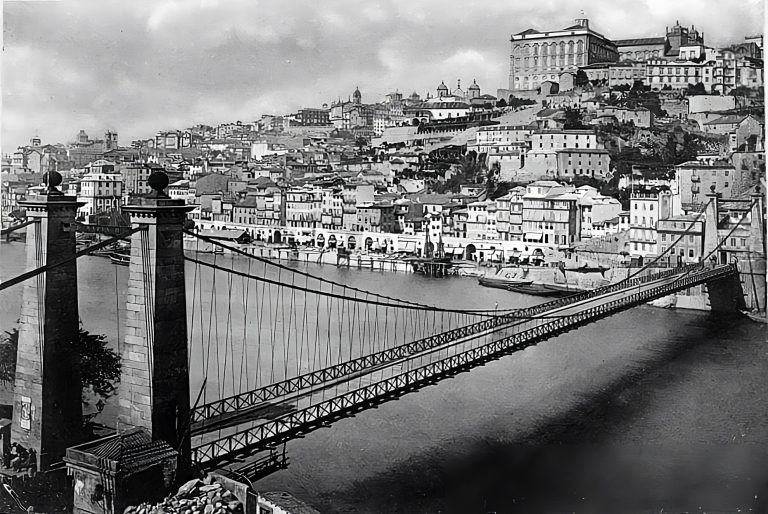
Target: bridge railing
273,431
592,293
238,402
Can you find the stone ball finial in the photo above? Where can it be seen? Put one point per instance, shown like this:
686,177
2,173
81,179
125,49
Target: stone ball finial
158,181
52,179
712,188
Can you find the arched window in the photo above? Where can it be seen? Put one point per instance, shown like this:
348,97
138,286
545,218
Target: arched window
535,49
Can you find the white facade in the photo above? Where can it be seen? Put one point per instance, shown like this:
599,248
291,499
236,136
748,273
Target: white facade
100,192
678,74
558,139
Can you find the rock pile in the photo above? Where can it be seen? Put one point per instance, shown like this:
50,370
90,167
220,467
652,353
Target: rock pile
195,497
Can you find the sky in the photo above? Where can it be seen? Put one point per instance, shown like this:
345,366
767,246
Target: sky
139,67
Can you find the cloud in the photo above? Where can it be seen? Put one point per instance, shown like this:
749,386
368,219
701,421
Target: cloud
140,67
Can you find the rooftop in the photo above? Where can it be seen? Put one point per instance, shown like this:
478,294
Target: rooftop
641,41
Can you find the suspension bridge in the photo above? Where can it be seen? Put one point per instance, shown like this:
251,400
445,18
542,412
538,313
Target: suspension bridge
227,356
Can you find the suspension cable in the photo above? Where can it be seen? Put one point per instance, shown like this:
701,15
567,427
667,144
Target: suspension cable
287,268
489,312
48,267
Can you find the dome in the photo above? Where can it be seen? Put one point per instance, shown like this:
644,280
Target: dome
474,86
442,87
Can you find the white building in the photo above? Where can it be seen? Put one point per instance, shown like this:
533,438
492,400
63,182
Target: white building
646,208
678,74
100,192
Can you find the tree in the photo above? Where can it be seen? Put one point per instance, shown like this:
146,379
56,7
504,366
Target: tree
694,90
99,365
501,103
581,79
491,178
573,119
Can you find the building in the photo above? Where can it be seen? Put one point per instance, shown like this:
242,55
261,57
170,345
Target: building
625,73
477,219
666,47
582,162
376,217
536,57
352,195
642,49
550,214
310,117
303,208
695,181
640,117
595,209
100,192
661,74
558,139
135,177
686,234
645,209
509,215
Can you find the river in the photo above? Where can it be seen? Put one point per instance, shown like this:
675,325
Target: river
646,410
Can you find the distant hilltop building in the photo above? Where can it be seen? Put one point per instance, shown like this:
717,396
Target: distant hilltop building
458,94
666,47
540,56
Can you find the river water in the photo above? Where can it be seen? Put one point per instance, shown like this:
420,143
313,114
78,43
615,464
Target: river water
647,410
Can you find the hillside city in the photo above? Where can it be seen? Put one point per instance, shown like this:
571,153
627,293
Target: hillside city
608,146
169,369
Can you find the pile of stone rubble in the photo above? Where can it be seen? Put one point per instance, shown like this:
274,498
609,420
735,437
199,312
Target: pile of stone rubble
194,497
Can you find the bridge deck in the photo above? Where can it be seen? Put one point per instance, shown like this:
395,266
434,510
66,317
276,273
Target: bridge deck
283,411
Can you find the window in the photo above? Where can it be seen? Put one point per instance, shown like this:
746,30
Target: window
733,241
690,252
663,237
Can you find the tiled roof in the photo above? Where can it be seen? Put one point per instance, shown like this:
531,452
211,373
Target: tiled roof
641,41
727,120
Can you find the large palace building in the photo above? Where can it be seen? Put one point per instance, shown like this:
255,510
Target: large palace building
539,56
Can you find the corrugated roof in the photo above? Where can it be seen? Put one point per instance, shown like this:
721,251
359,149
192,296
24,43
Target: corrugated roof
133,450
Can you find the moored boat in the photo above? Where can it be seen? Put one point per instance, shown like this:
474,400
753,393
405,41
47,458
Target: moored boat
543,289
503,279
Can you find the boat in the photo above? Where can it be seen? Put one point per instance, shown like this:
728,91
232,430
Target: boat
588,269
543,289
503,279
120,259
